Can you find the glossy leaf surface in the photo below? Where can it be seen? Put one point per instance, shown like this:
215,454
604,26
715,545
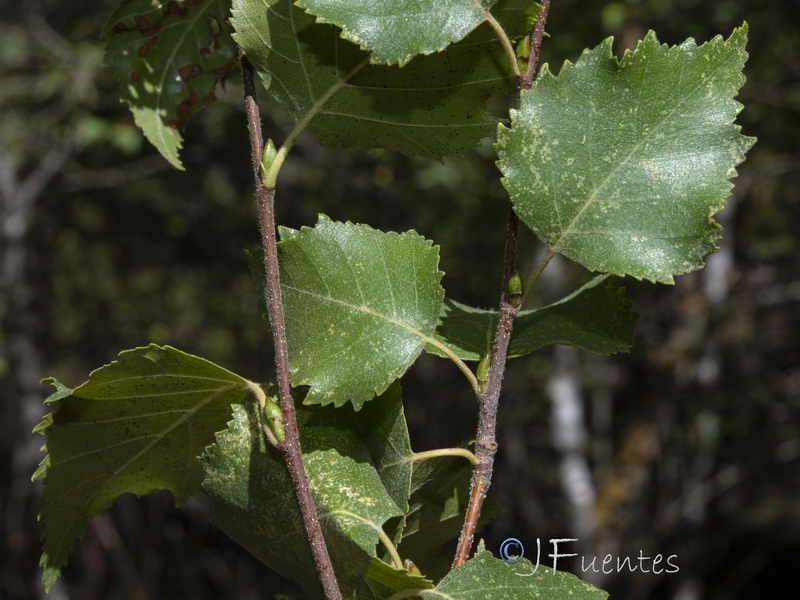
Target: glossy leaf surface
137,425
359,305
394,31
169,58
433,106
619,165
596,317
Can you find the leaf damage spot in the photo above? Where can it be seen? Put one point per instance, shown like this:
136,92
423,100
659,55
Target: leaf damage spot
189,72
174,8
141,22
184,109
151,31
145,48
214,30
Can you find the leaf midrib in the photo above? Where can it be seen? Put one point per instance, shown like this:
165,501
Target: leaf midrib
82,510
362,309
168,63
556,247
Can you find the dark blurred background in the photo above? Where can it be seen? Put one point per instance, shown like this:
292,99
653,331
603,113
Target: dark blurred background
687,446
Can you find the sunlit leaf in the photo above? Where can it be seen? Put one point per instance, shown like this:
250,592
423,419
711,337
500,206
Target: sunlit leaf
395,31
619,165
433,106
359,304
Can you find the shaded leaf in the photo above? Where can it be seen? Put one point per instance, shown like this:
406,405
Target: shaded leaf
439,500
254,502
619,165
596,317
169,58
137,425
382,427
395,31
485,577
434,106
382,580
359,304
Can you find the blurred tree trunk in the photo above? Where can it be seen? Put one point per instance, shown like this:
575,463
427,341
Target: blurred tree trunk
24,328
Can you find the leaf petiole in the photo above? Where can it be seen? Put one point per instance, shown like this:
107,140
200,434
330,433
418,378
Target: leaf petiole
273,417
271,176
462,366
502,36
417,456
548,256
397,562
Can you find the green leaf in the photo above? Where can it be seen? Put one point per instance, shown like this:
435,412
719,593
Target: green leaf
359,305
382,580
434,106
137,425
381,424
438,504
620,165
396,31
485,577
169,57
255,505
596,317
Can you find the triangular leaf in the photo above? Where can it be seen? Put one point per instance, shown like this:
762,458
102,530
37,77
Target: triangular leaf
255,505
485,577
596,317
168,58
397,30
137,425
619,165
359,304
434,106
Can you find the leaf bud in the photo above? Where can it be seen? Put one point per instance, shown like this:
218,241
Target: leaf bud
273,417
267,156
515,289
482,373
412,568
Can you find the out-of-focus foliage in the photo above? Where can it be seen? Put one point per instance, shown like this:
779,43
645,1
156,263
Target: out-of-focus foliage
693,437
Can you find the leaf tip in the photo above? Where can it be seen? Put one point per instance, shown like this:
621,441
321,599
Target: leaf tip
49,575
